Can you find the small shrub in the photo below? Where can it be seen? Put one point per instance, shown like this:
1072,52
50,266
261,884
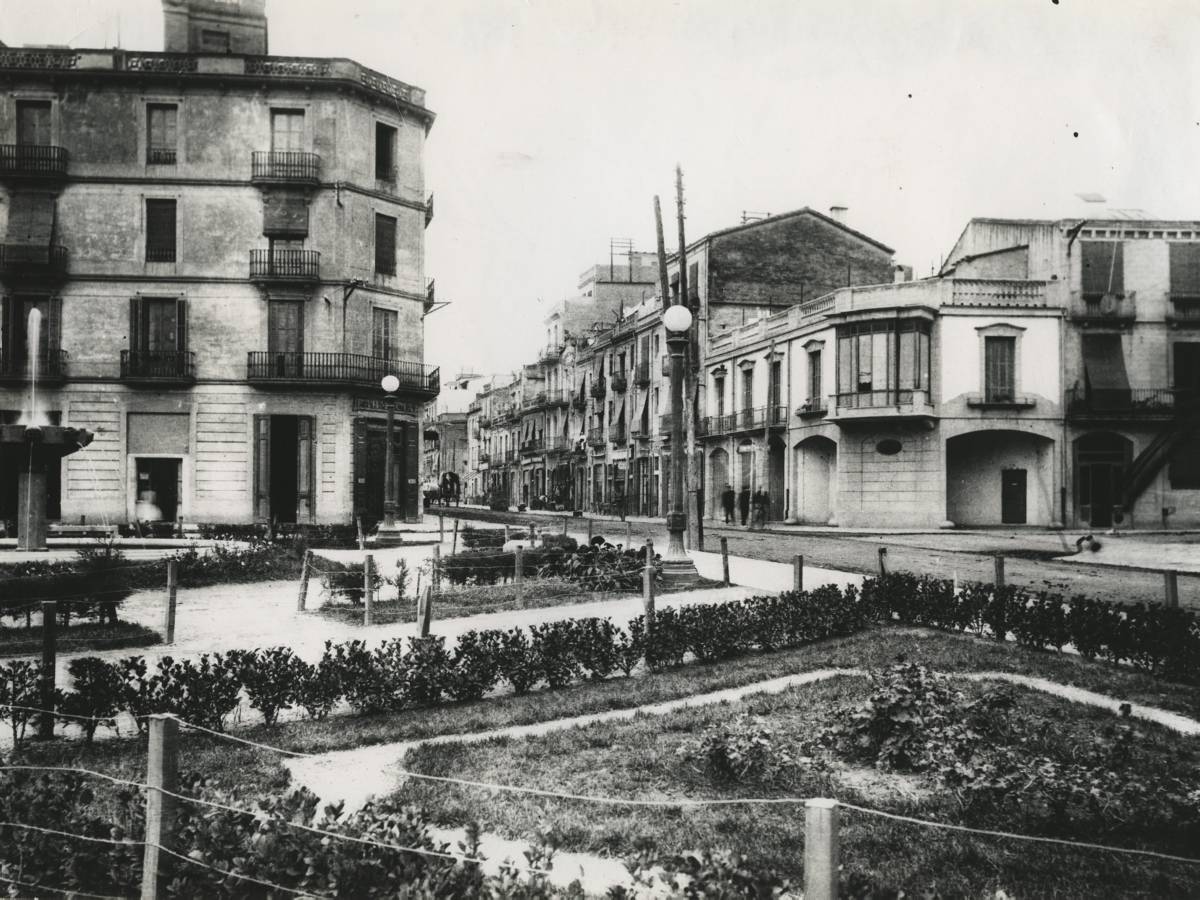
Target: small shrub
97,696
553,649
518,665
475,665
19,686
745,749
273,680
320,686
426,670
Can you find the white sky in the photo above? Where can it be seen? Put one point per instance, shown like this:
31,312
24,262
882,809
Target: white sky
558,120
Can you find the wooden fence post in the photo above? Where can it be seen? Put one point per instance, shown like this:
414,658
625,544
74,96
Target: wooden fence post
425,613
998,570
172,597
362,538
162,774
648,595
649,551
1171,589
725,560
564,524
368,590
798,573
820,849
506,534
305,571
519,574
49,667
454,545
441,527
628,534
883,560
435,580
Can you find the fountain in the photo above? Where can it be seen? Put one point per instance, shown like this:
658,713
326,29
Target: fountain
32,445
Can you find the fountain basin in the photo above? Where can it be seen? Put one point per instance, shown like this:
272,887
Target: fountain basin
30,449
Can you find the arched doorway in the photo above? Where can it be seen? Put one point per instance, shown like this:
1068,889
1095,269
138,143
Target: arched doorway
1000,477
776,484
1100,462
815,468
718,467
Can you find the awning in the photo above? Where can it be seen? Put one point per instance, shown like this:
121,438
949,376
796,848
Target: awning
643,416
31,220
1104,362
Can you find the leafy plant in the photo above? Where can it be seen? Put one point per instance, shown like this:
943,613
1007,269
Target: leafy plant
744,749
97,696
273,679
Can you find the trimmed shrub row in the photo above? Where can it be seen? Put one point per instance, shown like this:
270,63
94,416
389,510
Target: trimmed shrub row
397,675
1151,637
598,566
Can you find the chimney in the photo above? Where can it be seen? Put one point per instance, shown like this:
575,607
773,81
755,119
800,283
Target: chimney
838,213
902,274
215,26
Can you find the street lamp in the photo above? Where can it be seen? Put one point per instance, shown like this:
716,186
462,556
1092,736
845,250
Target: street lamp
390,384
677,566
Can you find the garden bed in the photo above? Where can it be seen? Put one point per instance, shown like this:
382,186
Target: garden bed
76,637
1098,779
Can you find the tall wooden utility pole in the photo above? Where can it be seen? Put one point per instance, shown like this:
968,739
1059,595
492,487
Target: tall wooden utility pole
695,529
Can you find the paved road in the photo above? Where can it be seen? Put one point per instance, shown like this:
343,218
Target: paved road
1029,554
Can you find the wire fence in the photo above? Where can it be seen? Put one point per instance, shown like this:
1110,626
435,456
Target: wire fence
328,835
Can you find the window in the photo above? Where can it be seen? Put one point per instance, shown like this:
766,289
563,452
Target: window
157,324
747,390
212,41
383,333
33,122
287,130
694,283
719,390
385,152
1103,265
882,362
161,134
1185,270
160,231
385,245
999,369
14,330
774,384
814,377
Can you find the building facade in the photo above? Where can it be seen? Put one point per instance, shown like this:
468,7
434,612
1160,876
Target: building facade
224,250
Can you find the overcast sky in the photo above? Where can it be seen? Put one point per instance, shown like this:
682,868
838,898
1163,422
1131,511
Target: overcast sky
558,121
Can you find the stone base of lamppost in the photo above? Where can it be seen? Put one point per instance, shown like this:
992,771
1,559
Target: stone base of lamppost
677,566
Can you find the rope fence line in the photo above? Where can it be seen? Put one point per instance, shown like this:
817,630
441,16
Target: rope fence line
81,837
267,884
70,892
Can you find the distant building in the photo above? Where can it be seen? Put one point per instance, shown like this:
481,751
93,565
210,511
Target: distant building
227,250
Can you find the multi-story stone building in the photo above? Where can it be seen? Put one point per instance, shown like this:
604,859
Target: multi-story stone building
1049,376
226,249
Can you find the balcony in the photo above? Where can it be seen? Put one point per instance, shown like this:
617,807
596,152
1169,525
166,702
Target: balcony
812,408
558,398
620,383
41,262
885,405
51,369
338,369
666,424
997,292
597,437
33,161
1124,404
1104,310
551,354
533,447
158,366
510,456
641,374
537,401
1184,310
578,402
619,436
484,458
598,389
272,167
1000,400
285,265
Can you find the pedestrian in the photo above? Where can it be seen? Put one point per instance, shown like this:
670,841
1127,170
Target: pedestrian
744,502
728,500
760,509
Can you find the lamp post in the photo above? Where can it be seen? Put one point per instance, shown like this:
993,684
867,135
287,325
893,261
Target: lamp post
390,384
677,566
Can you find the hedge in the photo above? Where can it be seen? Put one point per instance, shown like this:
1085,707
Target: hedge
1151,637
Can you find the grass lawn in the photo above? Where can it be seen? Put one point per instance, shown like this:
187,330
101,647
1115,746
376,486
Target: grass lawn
77,637
457,602
639,759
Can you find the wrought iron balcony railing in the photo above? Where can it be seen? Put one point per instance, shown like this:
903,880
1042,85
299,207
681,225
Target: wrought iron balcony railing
620,382
285,265
33,161
354,369
158,365
641,374
1131,403
160,156
285,166
597,437
33,260
598,389
812,408
51,366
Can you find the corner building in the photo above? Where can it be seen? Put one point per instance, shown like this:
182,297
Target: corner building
227,251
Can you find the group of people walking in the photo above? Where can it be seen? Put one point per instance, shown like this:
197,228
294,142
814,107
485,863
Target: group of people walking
745,502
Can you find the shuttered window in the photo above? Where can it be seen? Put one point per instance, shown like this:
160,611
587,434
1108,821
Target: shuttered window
161,133
14,330
385,152
285,216
1185,270
814,375
287,130
383,333
31,220
158,324
1103,265
1000,355
33,122
160,231
385,245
